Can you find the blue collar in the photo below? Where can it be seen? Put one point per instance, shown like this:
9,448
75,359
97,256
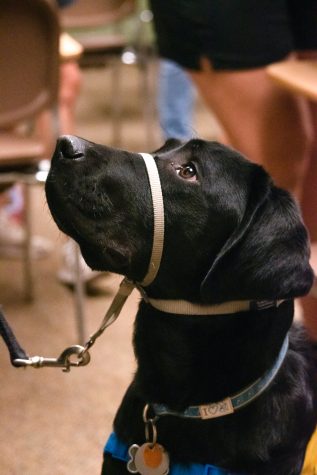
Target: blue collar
232,403
118,450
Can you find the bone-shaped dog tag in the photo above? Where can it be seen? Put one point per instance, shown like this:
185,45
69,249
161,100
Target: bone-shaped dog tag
149,459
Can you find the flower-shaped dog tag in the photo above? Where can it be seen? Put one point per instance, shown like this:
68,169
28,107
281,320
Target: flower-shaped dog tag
149,459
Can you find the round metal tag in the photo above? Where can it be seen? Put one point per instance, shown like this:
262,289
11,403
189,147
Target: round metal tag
149,459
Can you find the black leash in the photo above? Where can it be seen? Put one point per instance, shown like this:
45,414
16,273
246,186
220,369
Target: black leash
75,355
15,349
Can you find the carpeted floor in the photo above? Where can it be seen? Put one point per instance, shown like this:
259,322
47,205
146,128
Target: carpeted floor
53,422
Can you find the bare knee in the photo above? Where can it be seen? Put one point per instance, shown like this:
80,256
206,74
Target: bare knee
70,83
267,124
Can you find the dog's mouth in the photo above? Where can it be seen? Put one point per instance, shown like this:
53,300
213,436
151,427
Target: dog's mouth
97,252
96,238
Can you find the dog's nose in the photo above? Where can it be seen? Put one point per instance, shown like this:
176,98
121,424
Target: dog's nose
71,147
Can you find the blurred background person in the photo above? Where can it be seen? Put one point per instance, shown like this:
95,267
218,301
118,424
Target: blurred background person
175,101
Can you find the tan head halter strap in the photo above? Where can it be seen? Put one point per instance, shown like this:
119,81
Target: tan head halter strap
158,226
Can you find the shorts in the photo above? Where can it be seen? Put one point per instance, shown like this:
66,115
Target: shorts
233,34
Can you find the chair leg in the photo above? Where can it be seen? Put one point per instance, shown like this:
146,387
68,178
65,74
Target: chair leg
27,259
116,102
146,93
79,298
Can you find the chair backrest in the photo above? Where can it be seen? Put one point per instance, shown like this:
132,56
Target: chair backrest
90,13
29,64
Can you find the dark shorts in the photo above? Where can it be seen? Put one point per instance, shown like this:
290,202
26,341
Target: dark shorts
233,34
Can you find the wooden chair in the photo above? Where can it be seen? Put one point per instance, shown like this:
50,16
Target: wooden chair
29,72
88,20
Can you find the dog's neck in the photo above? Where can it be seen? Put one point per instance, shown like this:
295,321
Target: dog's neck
186,360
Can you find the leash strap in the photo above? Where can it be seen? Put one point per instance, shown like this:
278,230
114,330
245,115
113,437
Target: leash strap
15,350
126,288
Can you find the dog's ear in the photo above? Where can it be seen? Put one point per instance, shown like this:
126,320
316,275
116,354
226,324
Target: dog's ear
267,255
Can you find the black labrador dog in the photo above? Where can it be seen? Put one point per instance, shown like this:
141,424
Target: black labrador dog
230,235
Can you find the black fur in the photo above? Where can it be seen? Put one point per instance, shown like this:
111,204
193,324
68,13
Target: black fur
230,234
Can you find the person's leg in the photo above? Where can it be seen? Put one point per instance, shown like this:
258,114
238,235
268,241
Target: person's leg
309,197
69,89
309,209
267,124
175,100
70,84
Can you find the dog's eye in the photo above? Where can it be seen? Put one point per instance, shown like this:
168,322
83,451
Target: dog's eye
188,172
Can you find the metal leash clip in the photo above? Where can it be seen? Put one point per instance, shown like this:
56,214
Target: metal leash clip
74,356
67,359
64,361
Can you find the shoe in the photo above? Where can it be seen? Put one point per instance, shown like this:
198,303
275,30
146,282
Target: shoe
67,274
12,240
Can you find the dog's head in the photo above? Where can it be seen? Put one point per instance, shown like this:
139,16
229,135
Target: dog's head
230,234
